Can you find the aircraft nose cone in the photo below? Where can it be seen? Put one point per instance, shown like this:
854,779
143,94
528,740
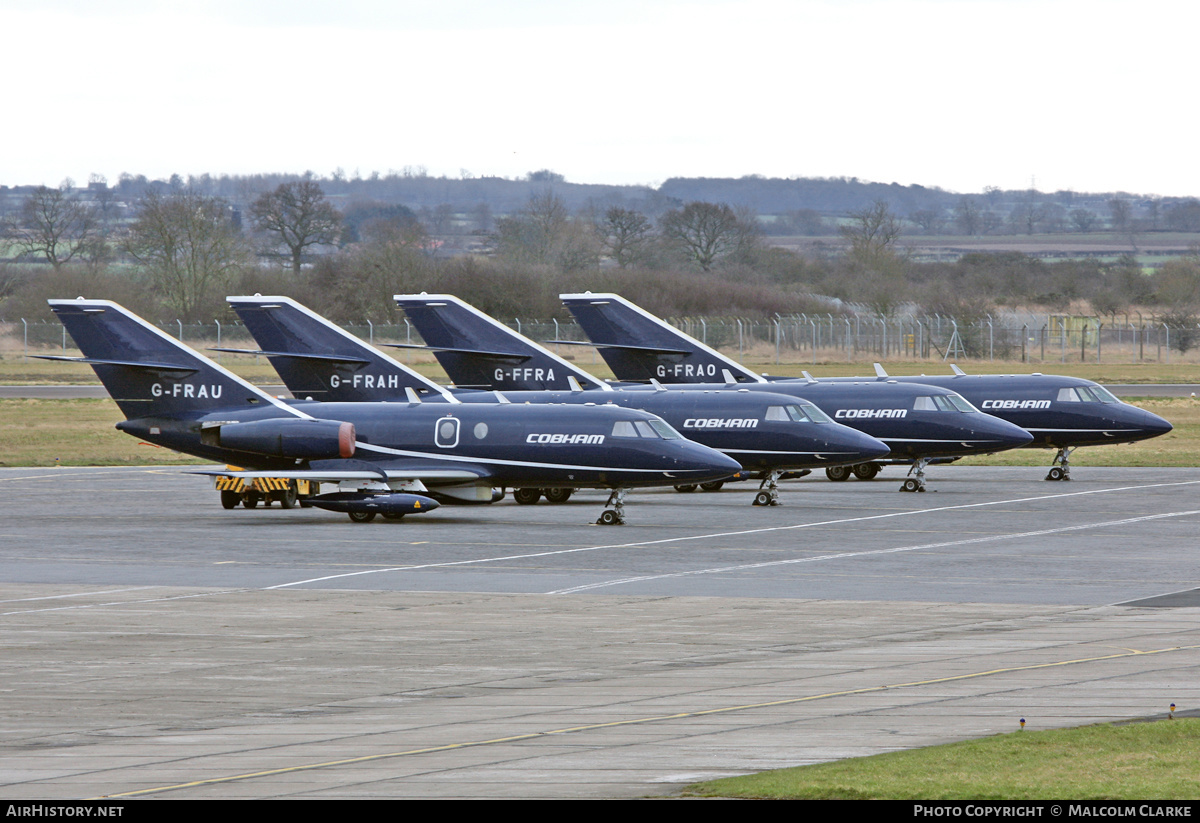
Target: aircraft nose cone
1153,424
868,448
1010,435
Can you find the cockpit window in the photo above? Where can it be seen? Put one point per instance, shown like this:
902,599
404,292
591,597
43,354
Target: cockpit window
815,414
665,431
649,429
1067,396
796,413
1097,394
943,402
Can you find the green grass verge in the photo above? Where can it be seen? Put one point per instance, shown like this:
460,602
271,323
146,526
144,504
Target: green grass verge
1137,761
73,433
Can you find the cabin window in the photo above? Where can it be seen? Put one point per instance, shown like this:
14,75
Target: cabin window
624,428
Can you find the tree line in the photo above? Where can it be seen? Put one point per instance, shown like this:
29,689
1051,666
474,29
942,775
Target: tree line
176,252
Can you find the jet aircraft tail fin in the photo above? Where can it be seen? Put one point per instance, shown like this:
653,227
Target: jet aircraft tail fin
316,359
477,350
148,372
636,345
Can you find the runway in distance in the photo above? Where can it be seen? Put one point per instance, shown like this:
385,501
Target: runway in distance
1060,412
919,424
768,434
386,458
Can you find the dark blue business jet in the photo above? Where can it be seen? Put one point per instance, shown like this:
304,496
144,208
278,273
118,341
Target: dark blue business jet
386,458
769,435
1060,412
919,424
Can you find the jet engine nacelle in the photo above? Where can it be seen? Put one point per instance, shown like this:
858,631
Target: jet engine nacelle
289,437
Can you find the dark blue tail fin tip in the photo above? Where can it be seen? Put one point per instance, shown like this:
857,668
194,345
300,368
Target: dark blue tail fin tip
478,351
636,345
317,359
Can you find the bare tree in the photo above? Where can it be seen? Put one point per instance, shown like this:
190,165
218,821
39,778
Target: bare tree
299,216
967,215
1084,219
189,248
625,233
929,220
1121,212
54,225
872,234
543,233
705,233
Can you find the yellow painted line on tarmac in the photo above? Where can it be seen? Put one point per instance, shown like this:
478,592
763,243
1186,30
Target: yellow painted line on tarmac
638,721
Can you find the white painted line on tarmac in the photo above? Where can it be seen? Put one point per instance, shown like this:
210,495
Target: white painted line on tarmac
716,535
898,549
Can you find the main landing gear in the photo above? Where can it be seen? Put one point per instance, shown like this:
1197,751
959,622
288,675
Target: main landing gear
528,497
1060,467
916,483
862,471
614,516
768,490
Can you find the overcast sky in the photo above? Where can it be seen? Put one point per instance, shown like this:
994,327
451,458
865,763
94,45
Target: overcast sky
1090,95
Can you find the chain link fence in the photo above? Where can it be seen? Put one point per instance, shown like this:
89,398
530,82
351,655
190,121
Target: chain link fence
784,339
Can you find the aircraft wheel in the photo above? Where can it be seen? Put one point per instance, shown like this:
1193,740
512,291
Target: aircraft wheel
393,517
557,495
714,486
866,471
289,496
910,485
229,500
250,500
361,517
608,517
527,497
1056,473
838,473
686,487
762,499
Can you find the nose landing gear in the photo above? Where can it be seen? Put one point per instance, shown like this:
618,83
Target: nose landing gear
916,483
1060,467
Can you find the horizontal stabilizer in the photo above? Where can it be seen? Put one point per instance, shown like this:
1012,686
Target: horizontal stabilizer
173,368
504,356
328,358
620,346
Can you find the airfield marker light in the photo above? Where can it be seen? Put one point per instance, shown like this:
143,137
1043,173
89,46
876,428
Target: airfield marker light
1171,713
1022,724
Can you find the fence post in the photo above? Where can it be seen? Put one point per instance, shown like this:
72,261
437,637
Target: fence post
218,322
776,340
25,358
